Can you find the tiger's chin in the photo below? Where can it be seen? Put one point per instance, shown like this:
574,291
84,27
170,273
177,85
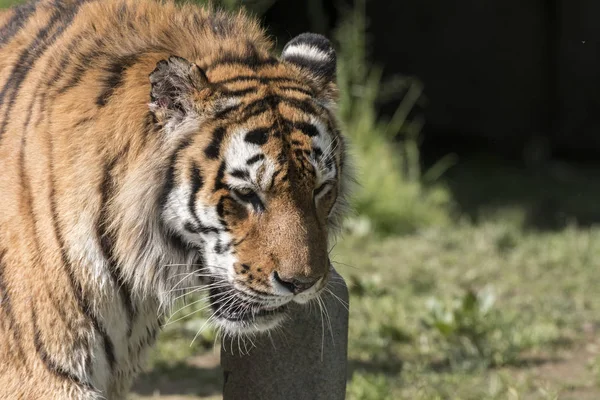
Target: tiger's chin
236,315
259,320
256,324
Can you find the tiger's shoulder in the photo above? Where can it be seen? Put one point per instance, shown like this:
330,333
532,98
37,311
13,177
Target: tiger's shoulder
149,148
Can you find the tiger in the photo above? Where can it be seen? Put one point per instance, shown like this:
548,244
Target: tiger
150,149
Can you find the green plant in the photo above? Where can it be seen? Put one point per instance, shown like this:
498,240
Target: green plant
365,386
9,3
473,332
391,196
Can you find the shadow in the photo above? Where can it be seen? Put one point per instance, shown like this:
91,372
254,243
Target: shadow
180,379
389,366
523,362
530,362
549,196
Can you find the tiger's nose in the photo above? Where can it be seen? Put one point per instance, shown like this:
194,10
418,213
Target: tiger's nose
295,285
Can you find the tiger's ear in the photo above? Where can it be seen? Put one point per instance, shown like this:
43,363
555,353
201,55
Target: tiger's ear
314,54
174,83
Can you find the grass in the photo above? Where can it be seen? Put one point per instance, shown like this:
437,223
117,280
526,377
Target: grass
9,3
391,198
479,285
467,311
461,312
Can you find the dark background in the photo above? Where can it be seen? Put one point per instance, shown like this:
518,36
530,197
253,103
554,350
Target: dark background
515,78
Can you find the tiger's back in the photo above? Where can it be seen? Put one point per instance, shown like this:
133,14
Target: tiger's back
90,174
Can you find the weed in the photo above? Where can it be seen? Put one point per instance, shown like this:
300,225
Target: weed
391,195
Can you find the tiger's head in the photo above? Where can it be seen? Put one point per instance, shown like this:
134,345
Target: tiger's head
259,177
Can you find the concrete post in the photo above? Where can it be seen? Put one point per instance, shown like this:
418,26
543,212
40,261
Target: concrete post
306,360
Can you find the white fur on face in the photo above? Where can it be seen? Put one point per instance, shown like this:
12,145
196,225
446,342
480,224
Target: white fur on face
216,243
323,142
238,153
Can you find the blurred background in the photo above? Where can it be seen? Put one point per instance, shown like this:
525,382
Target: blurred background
472,254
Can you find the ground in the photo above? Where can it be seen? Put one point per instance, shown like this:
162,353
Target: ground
497,301
492,306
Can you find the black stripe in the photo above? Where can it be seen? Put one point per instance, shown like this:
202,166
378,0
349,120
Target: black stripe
188,226
241,240
7,311
258,136
81,337
58,71
219,184
240,174
263,104
272,183
305,105
329,161
214,148
313,40
150,123
296,89
221,114
254,159
114,78
306,128
21,15
282,157
81,66
255,108
26,192
65,60
318,152
321,68
109,350
80,63
47,360
107,242
62,314
60,20
76,287
260,79
220,248
170,174
197,183
239,92
277,173
83,121
221,208
253,61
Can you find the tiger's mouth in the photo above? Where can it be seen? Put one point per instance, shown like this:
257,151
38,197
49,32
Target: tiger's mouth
237,312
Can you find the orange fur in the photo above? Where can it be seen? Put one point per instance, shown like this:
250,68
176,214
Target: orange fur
87,167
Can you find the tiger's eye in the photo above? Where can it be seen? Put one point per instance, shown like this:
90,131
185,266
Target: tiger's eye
249,196
244,191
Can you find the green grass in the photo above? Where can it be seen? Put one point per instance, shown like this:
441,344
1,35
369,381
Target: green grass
424,333
479,285
486,311
391,197
9,3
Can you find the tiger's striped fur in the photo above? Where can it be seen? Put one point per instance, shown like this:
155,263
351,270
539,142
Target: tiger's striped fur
148,149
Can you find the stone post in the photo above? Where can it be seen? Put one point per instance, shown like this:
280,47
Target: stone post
305,360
